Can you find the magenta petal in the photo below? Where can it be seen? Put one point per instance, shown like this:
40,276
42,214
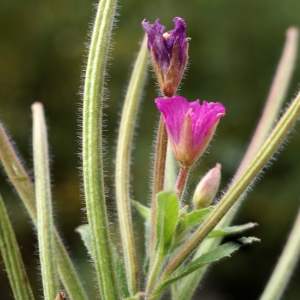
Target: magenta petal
203,118
174,110
190,142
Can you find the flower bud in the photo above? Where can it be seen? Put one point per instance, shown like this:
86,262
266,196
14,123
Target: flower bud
207,188
168,51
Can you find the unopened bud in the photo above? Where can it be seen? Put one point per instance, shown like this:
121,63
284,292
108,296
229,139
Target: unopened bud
207,188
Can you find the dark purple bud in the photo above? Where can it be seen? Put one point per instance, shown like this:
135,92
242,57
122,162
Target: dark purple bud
168,52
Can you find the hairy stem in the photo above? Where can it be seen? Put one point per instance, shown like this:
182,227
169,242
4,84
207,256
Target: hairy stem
92,152
285,266
181,182
126,130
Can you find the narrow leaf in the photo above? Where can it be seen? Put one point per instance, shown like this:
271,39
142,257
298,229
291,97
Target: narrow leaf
45,226
143,210
231,230
12,258
167,217
126,132
23,185
85,234
92,149
213,256
192,219
121,275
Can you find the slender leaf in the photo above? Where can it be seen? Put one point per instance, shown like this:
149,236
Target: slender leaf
213,256
122,177
22,183
45,228
12,258
85,234
286,265
121,275
192,219
92,149
230,230
144,211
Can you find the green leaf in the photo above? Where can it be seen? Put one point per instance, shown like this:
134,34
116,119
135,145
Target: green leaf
45,229
231,230
85,234
25,189
143,210
167,217
183,211
12,258
213,256
92,150
191,219
121,275
146,265
147,246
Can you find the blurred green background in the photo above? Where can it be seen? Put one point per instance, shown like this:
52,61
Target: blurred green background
233,53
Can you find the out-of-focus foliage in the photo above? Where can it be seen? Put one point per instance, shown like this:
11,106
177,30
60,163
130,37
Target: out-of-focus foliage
234,51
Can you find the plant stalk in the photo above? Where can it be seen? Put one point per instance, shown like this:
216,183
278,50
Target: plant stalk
126,130
181,181
92,152
285,266
47,250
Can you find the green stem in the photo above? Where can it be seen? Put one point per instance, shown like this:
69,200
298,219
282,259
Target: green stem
12,258
158,178
126,130
181,181
232,195
92,153
285,266
154,271
22,183
44,204
272,108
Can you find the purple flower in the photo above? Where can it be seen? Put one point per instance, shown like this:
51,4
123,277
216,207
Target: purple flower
168,53
190,126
